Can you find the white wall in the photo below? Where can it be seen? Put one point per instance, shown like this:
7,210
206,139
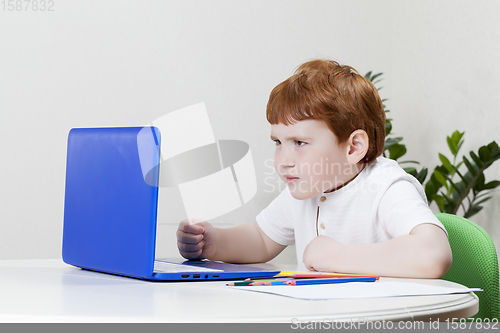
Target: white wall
124,63
445,76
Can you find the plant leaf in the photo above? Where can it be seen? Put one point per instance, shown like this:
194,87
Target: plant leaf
495,151
391,142
451,145
442,169
465,180
459,187
450,203
396,151
440,178
471,168
446,163
422,175
376,76
388,127
472,211
411,170
483,200
431,188
484,154
491,185
476,159
439,201
480,182
456,137
482,195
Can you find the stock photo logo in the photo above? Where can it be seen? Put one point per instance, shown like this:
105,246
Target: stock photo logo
214,177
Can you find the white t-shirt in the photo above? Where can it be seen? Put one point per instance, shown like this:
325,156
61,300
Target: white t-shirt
381,203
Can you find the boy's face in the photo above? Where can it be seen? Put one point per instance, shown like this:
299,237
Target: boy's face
309,159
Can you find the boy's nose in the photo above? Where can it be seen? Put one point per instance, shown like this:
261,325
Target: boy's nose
285,167
284,159
288,160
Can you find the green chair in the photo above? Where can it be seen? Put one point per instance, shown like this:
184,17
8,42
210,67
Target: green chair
475,263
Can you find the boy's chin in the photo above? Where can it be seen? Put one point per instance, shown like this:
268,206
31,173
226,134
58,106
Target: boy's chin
301,195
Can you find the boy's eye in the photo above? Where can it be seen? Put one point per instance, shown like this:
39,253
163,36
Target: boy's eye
277,142
300,143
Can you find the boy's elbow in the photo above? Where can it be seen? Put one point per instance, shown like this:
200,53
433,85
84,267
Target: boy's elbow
441,266
438,262
434,251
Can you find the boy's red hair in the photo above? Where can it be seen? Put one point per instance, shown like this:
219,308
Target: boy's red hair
336,94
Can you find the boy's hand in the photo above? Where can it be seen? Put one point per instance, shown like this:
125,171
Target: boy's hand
196,239
322,253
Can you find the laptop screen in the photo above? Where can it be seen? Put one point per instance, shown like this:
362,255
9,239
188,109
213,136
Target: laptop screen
110,210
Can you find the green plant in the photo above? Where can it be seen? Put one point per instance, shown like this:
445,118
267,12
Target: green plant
460,186
468,189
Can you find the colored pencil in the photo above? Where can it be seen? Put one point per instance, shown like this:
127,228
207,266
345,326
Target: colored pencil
284,274
247,282
310,275
302,279
269,283
244,283
329,276
328,281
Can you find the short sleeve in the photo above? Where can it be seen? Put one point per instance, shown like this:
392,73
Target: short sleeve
276,220
402,208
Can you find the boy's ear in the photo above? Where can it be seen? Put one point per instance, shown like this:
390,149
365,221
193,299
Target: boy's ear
357,146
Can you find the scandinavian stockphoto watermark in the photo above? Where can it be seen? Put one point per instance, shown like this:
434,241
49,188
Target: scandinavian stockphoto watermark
366,325
320,176
179,149
27,5
355,324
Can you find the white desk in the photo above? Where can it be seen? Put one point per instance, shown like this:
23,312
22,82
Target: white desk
51,291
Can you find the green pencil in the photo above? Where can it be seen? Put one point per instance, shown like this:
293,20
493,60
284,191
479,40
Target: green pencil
244,283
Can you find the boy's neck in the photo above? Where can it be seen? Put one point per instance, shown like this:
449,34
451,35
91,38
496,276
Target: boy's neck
359,169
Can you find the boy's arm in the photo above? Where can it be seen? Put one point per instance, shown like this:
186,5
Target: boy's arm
242,244
246,244
424,253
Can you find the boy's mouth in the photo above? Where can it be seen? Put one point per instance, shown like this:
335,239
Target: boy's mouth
291,179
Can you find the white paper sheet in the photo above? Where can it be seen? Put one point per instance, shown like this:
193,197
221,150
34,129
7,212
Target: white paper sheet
358,290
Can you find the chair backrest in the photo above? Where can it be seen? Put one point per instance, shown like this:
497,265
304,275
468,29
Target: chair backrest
475,262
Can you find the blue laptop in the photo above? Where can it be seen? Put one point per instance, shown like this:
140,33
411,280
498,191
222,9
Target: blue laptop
110,209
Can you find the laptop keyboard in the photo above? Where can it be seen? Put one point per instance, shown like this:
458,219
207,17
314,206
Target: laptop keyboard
169,267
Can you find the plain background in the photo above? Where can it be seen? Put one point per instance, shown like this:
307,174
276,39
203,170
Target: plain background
126,63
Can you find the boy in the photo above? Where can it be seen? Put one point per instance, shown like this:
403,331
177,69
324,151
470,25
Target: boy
346,209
